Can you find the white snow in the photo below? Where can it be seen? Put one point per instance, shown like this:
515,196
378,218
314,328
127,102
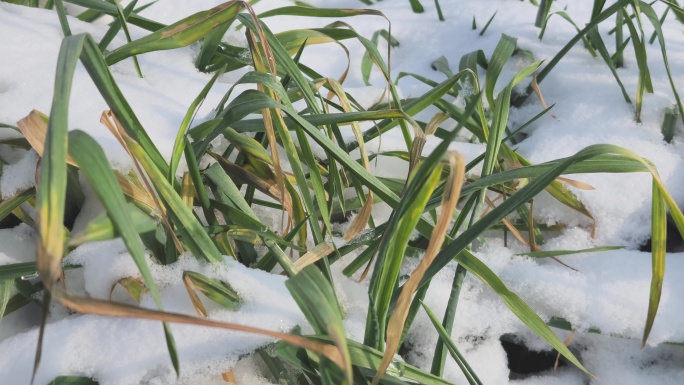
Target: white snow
19,176
125,351
609,290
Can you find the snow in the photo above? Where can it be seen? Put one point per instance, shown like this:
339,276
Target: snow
160,99
608,290
18,245
126,351
19,176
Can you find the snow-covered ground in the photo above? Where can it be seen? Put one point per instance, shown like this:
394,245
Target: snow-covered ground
609,290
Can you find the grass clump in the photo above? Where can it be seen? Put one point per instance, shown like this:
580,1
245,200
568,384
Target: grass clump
210,211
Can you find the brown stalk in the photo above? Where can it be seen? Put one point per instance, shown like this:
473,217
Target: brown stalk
434,123
127,283
194,298
575,183
509,225
361,220
187,191
311,256
566,342
229,377
109,120
537,91
34,128
532,243
113,309
133,191
259,65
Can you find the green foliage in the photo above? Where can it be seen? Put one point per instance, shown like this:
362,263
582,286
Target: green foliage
626,12
316,189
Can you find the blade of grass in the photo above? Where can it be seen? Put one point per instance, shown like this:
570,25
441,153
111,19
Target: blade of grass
61,14
115,128
115,26
567,18
102,228
47,296
228,187
265,183
440,15
320,12
542,13
210,44
133,286
445,337
651,15
51,192
484,29
110,9
619,40
555,253
187,192
263,62
501,108
255,125
34,129
644,78
218,291
669,124
122,19
502,53
416,6
6,286
366,62
200,189
17,270
658,247
85,48
374,334
13,202
439,358
179,144
317,300
180,33
412,108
